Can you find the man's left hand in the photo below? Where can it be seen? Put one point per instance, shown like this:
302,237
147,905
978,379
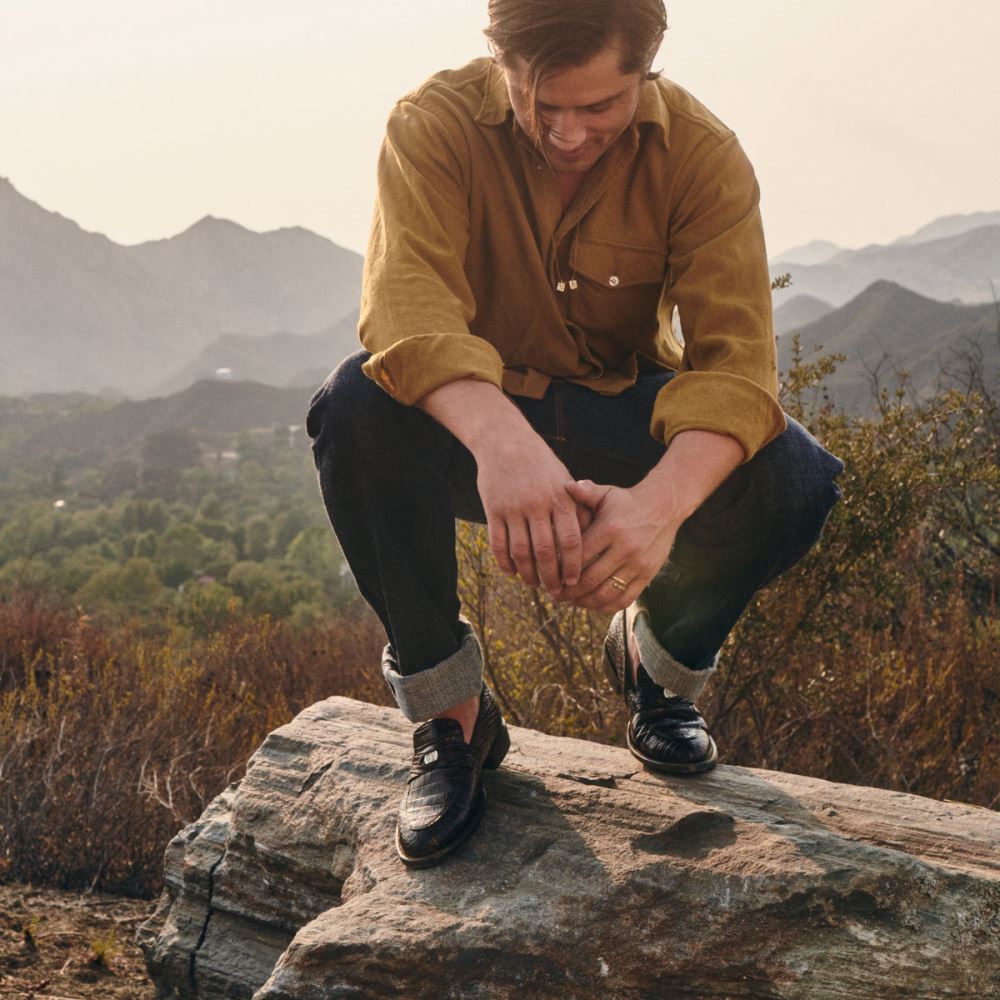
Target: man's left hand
628,540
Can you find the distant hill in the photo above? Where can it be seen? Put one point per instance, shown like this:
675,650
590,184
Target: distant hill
282,359
952,268
950,225
916,333
80,312
222,407
815,252
799,311
253,283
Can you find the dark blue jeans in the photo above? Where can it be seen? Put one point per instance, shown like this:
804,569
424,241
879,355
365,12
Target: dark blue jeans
394,480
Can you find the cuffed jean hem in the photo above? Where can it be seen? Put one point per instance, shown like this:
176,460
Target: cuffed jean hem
432,691
669,673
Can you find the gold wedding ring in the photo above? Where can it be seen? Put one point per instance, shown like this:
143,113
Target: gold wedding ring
617,581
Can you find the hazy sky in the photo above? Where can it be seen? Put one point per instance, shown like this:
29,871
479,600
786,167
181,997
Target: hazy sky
864,120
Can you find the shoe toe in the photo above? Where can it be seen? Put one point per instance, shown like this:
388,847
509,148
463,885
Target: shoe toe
434,807
680,745
450,826
429,798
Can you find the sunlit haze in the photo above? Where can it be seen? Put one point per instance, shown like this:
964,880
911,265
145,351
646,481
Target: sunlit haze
863,121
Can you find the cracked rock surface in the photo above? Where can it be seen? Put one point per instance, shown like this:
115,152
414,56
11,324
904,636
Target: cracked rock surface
588,878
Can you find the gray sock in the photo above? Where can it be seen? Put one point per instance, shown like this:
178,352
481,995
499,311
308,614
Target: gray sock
633,648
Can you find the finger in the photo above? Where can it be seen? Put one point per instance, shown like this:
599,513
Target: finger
619,603
543,545
584,516
500,544
588,492
622,598
598,540
567,532
610,595
520,549
592,577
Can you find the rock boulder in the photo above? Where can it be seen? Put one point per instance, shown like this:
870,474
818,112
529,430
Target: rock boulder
589,877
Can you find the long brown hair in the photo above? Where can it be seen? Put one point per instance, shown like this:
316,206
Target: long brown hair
554,34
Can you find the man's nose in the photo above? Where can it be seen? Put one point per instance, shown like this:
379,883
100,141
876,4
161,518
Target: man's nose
566,131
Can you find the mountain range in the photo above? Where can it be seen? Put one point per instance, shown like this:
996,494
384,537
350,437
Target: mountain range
820,251
799,311
963,265
279,359
80,312
888,328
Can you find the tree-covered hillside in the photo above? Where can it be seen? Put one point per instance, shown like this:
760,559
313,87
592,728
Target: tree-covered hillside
167,507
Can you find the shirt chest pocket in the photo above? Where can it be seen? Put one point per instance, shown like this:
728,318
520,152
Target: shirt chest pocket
618,286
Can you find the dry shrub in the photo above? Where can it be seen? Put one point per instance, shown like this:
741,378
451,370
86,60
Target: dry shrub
908,704
112,740
542,660
906,699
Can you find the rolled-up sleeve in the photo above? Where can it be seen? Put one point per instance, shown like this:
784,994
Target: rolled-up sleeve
416,303
718,279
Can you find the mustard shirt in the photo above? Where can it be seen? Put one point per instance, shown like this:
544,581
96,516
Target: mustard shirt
469,241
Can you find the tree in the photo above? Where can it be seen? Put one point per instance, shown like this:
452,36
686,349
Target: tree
257,538
314,552
133,585
179,553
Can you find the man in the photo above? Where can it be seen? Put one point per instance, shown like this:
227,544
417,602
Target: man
540,217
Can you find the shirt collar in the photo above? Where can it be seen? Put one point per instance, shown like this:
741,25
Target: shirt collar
496,104
652,109
495,108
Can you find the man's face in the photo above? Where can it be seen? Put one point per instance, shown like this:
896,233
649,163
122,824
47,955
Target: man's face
581,109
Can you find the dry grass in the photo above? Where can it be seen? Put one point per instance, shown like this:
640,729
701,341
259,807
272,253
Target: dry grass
112,739
58,945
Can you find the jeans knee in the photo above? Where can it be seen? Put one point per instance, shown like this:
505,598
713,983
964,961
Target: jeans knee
811,483
788,489
354,423
342,394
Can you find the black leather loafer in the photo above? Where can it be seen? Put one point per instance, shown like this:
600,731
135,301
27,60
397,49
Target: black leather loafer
666,733
444,798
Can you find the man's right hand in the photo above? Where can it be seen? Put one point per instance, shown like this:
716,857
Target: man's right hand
534,524
532,519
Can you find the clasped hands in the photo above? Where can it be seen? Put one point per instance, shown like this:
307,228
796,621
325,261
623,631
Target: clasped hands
591,545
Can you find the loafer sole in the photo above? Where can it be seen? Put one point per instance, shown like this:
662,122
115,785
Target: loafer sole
671,767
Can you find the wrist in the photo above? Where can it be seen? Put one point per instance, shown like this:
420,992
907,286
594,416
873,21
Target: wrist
694,464
476,412
660,493
495,430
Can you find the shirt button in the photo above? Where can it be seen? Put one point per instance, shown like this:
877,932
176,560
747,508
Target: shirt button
613,281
